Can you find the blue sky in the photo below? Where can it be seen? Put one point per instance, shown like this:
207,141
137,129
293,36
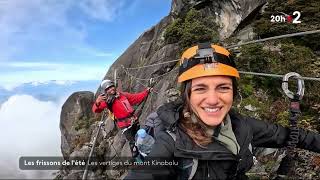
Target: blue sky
69,40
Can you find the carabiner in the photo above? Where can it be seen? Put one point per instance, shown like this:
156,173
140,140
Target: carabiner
151,82
285,82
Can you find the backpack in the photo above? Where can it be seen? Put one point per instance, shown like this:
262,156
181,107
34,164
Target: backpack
153,125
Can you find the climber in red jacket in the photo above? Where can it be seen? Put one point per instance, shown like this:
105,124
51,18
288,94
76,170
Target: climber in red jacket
120,103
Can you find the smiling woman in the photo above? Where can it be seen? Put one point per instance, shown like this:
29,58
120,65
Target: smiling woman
203,133
211,98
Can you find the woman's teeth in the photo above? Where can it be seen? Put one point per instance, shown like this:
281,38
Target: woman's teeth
211,109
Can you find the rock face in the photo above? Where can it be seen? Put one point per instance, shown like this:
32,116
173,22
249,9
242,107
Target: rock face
76,110
79,125
229,14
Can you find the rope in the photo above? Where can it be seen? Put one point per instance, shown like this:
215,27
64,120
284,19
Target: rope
165,62
275,37
176,68
141,79
137,79
278,76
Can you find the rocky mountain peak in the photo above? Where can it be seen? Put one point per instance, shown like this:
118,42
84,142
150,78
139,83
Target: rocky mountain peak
78,124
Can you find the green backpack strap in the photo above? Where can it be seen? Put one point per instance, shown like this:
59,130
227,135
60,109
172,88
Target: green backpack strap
194,160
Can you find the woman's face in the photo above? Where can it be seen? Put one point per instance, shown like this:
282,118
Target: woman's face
211,98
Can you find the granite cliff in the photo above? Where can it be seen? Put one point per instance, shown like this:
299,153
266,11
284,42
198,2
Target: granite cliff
232,21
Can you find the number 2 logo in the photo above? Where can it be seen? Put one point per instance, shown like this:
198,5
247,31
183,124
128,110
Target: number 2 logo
296,19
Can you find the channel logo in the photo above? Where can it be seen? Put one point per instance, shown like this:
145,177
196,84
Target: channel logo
282,17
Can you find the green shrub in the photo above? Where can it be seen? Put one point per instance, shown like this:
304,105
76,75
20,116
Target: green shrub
173,32
82,124
193,28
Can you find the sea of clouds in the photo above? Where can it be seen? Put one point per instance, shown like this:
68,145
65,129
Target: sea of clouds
29,126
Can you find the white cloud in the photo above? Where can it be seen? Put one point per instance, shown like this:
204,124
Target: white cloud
64,82
104,10
24,21
48,24
39,72
29,127
94,52
42,65
58,82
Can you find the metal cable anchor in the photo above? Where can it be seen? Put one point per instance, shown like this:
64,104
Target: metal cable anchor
285,83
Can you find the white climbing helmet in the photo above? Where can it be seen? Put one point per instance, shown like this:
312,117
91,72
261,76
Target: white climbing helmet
105,84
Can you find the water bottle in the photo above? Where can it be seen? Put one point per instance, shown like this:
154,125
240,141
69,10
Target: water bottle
144,142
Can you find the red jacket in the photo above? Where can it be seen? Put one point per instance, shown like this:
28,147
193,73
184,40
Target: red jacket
122,106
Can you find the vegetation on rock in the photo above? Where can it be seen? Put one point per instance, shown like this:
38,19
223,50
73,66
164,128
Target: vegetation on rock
192,28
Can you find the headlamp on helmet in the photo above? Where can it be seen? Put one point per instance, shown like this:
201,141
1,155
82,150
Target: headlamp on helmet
206,60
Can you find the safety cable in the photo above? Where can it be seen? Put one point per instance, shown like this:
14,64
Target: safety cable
124,69
278,76
138,110
241,72
101,123
274,37
241,44
176,68
143,79
151,84
138,80
166,62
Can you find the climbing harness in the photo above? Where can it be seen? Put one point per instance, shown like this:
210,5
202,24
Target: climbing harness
290,154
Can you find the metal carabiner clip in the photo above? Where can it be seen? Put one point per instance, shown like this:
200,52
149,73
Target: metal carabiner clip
285,82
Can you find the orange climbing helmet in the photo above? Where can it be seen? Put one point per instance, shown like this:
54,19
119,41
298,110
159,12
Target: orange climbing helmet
206,59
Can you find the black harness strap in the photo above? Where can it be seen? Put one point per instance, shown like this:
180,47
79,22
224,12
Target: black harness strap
295,113
289,161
